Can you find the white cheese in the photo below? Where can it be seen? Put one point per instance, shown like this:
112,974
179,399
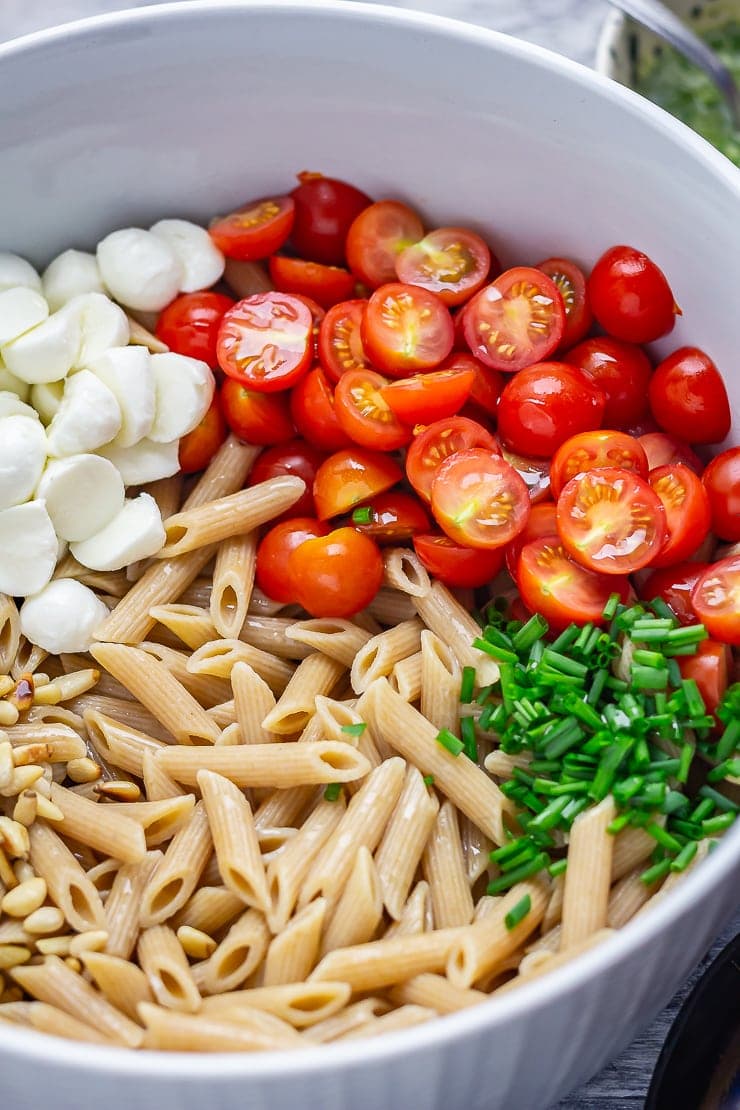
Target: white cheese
139,269
47,352
83,493
12,384
71,273
128,373
28,549
88,416
103,324
201,260
20,310
145,462
11,405
23,452
62,616
136,532
184,390
14,270
46,399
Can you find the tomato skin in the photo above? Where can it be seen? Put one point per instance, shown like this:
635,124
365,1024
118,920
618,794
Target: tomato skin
365,415
571,282
542,522
295,457
340,339
272,571
716,600
674,585
198,447
349,478
336,575
710,669
506,310
327,285
534,472
592,451
425,398
189,324
456,565
662,449
546,404
259,418
722,482
479,500
377,236
256,230
395,517
406,328
314,413
621,371
630,296
688,514
449,261
553,584
688,397
324,210
436,443
248,347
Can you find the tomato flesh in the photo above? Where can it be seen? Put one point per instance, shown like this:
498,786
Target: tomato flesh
347,478
431,396
592,451
516,320
674,585
709,668
377,236
456,565
327,285
542,521
716,600
571,283
336,575
438,442
313,412
406,328
630,296
450,261
478,499
259,418
272,571
688,514
198,447
688,397
553,584
722,482
324,210
621,371
266,341
256,230
544,405
364,413
393,517
340,339
189,325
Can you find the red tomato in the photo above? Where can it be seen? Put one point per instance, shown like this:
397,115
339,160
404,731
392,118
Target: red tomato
317,316
542,521
688,397
406,328
314,412
256,230
365,415
340,339
478,499
189,325
430,448
710,669
324,211
198,447
722,482
266,341
535,472
611,521
571,283
295,457
674,586
259,418
327,285
377,236
662,449
688,515
621,371
455,565
450,261
336,575
425,398
592,451
630,296
517,320
487,383
546,404
716,600
272,571
552,584
394,517
348,478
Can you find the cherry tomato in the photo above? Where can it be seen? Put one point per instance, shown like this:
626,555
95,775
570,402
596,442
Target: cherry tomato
630,296
377,236
198,447
450,261
295,457
674,585
340,339
259,418
534,472
455,565
592,451
722,482
336,575
688,515
439,441
394,517
425,398
365,415
517,320
406,328
571,283
348,478
478,499
542,521
272,572
716,600
256,230
710,669
327,285
688,397
546,404
266,341
317,315
552,584
189,325
314,412
324,211
621,371
662,449
611,521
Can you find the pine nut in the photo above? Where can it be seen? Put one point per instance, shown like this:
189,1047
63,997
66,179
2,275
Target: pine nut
84,770
54,946
196,944
6,763
47,809
94,940
8,713
47,919
26,898
25,808
73,964
12,955
14,838
22,779
22,696
23,870
120,790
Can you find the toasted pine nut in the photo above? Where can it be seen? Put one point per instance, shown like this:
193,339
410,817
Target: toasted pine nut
22,696
11,955
196,944
73,964
26,754
25,808
8,713
7,874
75,683
47,809
54,946
94,940
14,837
119,789
6,762
47,694
7,683
21,779
25,898
23,870
84,770
47,919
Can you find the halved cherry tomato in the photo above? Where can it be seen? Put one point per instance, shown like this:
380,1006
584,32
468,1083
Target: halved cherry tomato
688,515
710,669
517,320
340,339
546,404
674,585
338,574
662,450
189,324
327,285
348,478
630,296
317,315
542,521
256,230
611,521
487,383
198,447
456,565
450,261
716,600
295,457
259,418
571,282
553,584
478,499
621,371
266,341
722,482
377,236
688,397
425,398
364,413
324,211
314,412
406,328
272,571
592,451
534,472
430,448
394,517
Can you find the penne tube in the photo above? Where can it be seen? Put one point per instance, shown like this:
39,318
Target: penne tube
554,910
367,967
208,690
436,992
121,915
402,1018
68,886
377,658
405,678
540,963
404,571
102,827
122,711
123,984
282,808
240,953
390,606
476,848
351,1017
631,847
277,765
627,897
416,915
52,1020
218,658
294,952
270,634
444,615
299,1004
233,580
273,841
158,785
588,878
440,683
191,624
167,970
443,867
288,871
178,872
160,820
253,700
484,946
167,492
405,836
168,1031
10,633
209,909
501,764
339,639
316,674
118,744
234,839
359,910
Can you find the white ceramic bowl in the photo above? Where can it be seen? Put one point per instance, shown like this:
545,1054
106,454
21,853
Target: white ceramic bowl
189,109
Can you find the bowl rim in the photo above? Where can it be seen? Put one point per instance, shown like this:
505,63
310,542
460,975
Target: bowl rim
156,1066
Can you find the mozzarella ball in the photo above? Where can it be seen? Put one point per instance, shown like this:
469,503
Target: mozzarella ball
82,493
47,352
139,269
145,461
88,416
127,371
201,261
62,617
136,532
9,383
20,310
103,325
184,389
14,270
28,549
11,405
23,451
70,274
46,399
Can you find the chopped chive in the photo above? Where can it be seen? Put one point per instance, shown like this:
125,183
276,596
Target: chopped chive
729,740
694,701
704,808
641,623
662,837
527,851
649,658
685,856
657,871
689,634
650,678
449,741
610,609
511,878
354,730
674,672
674,802
660,609
563,664
627,788
717,824
467,686
332,792
496,652
687,828
618,823
597,686
558,867
508,851
429,780
566,638
518,912
529,633
470,743
687,755
573,808
729,767
362,515
550,815
719,800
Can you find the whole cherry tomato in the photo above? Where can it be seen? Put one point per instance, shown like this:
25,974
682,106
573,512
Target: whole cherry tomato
722,482
630,296
259,418
688,397
294,457
189,325
546,404
198,447
336,575
324,211
621,371
272,572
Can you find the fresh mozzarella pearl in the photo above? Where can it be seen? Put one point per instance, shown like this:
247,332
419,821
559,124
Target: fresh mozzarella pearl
71,273
47,352
136,532
46,399
28,549
82,493
139,269
23,452
11,405
201,260
145,462
88,416
20,310
10,383
14,270
103,323
184,391
127,371
62,617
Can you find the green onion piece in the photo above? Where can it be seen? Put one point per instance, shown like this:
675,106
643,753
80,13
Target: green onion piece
650,678
496,652
597,686
517,912
429,780
527,851
627,788
550,815
686,828
728,741
618,824
485,693
544,766
608,766
640,624
703,810
657,871
363,515
663,837
558,867
649,658
674,673
332,792
354,730
511,878
724,770
582,710
694,701
449,741
563,664
610,609
467,686
566,638
674,802
689,634
661,609
529,633
573,808
685,856
719,800
687,755
470,743
507,851
717,824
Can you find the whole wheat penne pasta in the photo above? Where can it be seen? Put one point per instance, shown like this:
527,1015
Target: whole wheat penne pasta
158,786
314,675
167,492
285,807
233,580
436,992
239,954
294,952
631,846
207,689
103,827
40,733
377,657
628,895
270,634
160,820
119,744
554,910
209,909
406,833
179,870
440,683
389,606
476,849
124,712
501,764
234,839
405,571
416,915
339,639
278,765
10,632
359,910
675,877
174,1032
380,963
218,658
226,472
191,624
165,965
103,874
121,915
351,1017
287,872
300,1004
588,878
123,983
50,1019
443,614
402,1018
405,678
273,841
542,962
443,867
28,659
68,886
